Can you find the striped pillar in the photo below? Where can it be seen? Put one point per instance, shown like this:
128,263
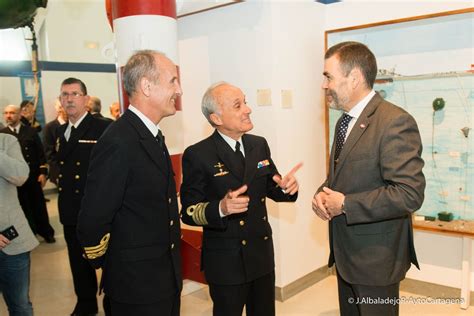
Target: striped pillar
149,24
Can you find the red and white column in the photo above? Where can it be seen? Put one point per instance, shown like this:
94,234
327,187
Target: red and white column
149,24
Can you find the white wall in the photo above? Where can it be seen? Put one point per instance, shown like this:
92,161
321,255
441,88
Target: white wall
439,255
69,26
10,93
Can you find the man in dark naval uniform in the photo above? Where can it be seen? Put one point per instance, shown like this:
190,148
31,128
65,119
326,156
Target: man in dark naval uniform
74,145
129,221
30,194
226,180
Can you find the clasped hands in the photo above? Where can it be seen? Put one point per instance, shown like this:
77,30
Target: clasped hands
327,203
236,202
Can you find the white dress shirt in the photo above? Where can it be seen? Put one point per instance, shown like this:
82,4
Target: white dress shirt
357,110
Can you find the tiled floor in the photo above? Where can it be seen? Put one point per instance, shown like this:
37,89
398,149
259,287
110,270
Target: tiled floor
52,292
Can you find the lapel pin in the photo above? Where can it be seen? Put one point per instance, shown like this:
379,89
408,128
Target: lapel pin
362,126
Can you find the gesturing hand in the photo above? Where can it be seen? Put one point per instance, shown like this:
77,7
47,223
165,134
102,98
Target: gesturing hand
288,183
234,202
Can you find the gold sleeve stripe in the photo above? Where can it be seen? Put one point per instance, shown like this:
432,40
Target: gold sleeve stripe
99,250
198,213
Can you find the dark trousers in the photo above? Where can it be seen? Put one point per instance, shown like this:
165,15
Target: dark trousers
165,307
258,296
32,201
365,300
83,274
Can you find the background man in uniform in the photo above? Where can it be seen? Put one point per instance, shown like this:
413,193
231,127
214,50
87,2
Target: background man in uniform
375,182
226,179
75,143
129,221
30,193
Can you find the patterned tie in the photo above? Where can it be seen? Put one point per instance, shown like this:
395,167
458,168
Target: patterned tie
341,134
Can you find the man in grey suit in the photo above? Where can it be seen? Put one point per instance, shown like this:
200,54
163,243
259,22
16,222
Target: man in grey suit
14,251
375,183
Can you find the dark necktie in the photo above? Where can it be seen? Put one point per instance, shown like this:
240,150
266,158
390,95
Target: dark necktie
341,134
160,138
73,132
240,158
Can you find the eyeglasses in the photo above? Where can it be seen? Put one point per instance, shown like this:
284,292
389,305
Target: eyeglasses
74,95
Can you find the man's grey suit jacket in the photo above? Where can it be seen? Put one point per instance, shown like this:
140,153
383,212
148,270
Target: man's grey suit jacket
379,171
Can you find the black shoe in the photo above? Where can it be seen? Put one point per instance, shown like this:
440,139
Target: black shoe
50,239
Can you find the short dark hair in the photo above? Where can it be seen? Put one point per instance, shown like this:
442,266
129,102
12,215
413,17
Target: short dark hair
352,55
139,65
25,103
73,81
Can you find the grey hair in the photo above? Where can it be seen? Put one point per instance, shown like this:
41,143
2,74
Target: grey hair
140,64
209,103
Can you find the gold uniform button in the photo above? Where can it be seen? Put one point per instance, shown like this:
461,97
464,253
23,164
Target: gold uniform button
61,162
171,222
60,189
60,175
264,218
169,200
263,200
244,242
78,163
172,246
242,223
77,191
77,177
265,238
26,148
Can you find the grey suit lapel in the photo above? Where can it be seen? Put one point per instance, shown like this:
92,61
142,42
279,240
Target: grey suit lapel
357,131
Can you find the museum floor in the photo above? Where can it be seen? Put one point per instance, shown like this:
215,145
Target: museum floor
52,292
